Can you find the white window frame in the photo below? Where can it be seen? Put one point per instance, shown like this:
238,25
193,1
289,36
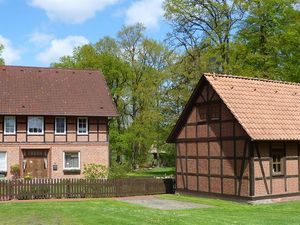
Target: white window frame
5,170
32,133
64,161
65,124
87,125
5,117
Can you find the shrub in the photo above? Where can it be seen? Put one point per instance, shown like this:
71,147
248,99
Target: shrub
15,170
28,177
119,170
95,171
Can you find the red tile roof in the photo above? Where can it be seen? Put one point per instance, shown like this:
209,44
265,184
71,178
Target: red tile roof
266,109
52,91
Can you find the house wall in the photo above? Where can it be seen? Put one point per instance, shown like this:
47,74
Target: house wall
93,147
267,183
98,131
89,153
213,154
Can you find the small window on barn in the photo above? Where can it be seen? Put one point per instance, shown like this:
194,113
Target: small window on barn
277,162
202,114
214,112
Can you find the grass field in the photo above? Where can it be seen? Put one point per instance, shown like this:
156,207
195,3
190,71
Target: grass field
154,172
109,211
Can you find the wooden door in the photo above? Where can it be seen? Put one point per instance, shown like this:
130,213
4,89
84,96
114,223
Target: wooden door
36,163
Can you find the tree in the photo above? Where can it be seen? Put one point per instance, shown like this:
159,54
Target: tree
1,59
135,70
205,26
266,43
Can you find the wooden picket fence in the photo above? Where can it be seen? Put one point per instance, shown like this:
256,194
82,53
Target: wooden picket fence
82,188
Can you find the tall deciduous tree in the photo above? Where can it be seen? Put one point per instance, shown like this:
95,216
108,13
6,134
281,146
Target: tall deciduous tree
205,26
268,40
135,70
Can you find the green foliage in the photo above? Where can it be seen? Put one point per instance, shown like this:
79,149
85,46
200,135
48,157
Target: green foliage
28,177
95,171
15,169
153,172
1,59
262,46
118,170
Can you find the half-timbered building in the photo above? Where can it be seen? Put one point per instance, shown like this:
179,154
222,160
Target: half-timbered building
53,121
239,137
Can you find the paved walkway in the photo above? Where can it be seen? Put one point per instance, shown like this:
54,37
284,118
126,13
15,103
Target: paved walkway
163,204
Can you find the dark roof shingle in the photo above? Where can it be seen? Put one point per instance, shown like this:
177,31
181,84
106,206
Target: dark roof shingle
52,91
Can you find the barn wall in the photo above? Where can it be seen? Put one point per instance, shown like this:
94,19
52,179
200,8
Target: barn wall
266,183
212,153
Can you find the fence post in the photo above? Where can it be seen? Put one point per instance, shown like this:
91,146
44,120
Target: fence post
67,189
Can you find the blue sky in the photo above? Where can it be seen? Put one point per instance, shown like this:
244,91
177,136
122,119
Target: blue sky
38,32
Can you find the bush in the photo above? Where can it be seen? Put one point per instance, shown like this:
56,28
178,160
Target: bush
28,177
15,171
95,171
119,170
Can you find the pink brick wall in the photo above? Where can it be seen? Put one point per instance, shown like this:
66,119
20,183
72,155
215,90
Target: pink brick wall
89,153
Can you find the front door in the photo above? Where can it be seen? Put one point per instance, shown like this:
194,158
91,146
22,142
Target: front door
35,163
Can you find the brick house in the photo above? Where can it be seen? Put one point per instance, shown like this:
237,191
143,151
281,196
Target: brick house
53,121
239,137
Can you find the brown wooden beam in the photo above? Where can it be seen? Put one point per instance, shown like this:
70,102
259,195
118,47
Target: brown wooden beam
251,168
262,169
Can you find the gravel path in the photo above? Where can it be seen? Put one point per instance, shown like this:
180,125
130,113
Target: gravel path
163,204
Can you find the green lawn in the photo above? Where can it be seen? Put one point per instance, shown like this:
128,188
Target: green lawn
154,172
108,211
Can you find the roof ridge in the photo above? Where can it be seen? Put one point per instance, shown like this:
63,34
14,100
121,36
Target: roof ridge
47,68
251,78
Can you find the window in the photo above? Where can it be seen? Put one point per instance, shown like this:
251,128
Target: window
60,125
3,162
277,162
278,154
35,125
82,125
71,160
9,125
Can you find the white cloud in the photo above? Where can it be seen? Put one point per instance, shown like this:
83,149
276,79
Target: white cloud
146,12
10,54
71,11
61,47
40,39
